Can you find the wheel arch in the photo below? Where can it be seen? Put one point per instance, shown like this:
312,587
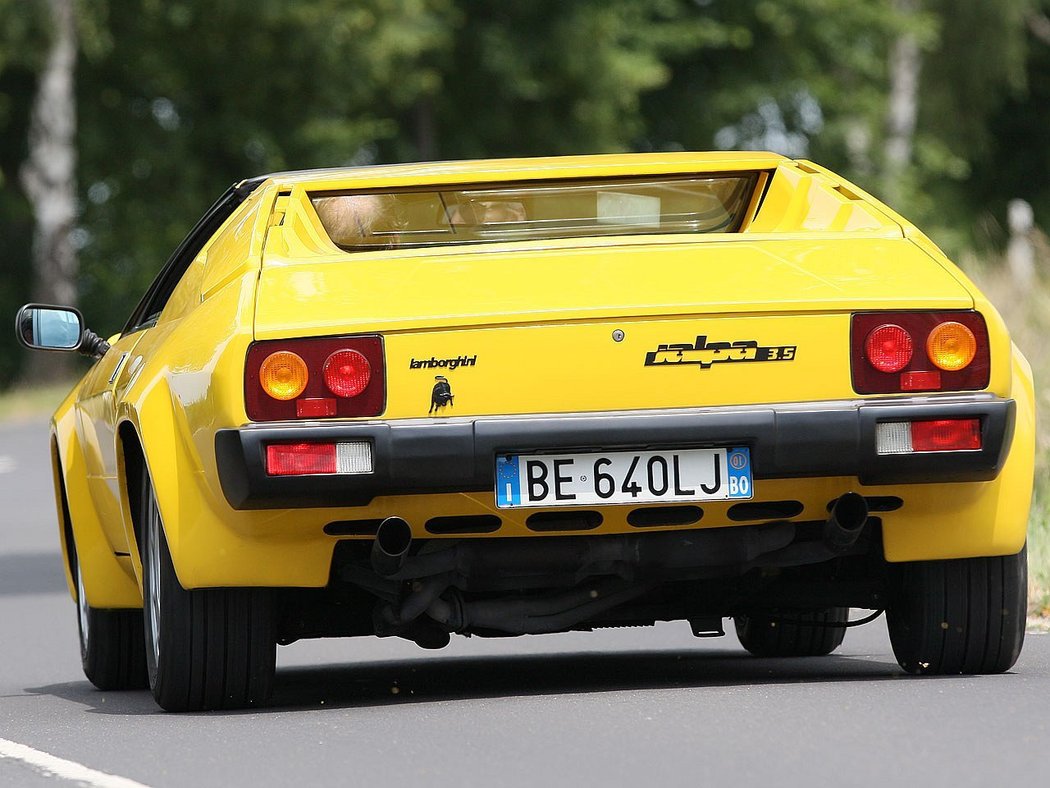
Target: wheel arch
130,467
148,444
65,522
108,584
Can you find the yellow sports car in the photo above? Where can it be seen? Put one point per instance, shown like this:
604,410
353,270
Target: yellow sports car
497,398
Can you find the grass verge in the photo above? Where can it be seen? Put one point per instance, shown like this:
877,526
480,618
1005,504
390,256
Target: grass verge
37,402
1026,310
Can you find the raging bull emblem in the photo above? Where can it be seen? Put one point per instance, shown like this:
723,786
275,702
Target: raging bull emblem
441,395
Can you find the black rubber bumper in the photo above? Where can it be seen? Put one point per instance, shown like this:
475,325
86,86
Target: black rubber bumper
432,456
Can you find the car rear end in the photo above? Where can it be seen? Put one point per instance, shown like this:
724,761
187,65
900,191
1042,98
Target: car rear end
533,397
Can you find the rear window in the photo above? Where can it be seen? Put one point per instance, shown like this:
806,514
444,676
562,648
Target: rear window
365,220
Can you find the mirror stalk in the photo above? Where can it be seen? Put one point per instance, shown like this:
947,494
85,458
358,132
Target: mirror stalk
91,344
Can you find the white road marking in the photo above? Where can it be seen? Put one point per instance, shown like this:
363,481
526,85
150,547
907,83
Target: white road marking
7,464
59,767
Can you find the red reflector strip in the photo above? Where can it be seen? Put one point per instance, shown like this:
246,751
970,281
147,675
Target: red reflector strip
315,407
300,459
921,381
946,435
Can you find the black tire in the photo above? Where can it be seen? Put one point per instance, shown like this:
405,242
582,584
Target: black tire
792,634
112,650
205,649
959,616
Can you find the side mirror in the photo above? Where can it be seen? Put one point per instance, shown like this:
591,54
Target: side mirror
44,327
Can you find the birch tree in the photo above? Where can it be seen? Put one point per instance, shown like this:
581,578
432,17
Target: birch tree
49,180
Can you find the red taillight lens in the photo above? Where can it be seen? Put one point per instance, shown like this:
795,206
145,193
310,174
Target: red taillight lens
341,377
883,357
347,373
946,435
888,348
300,459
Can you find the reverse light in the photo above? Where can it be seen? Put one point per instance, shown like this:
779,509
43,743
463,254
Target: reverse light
283,375
888,348
312,459
951,346
347,373
912,437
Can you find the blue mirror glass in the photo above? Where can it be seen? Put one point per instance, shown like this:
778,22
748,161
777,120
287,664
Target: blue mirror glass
50,327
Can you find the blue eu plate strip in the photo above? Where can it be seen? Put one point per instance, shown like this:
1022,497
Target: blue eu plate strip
508,485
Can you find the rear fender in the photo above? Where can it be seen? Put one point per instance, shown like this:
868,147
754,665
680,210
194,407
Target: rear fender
146,444
975,520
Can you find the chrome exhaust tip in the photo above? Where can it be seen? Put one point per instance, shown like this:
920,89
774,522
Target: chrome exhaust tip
393,539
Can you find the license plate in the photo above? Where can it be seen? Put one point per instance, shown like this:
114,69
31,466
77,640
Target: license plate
622,477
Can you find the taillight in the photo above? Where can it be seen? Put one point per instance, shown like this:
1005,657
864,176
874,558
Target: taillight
946,435
346,373
298,459
313,459
327,377
951,346
283,375
888,348
893,352
912,437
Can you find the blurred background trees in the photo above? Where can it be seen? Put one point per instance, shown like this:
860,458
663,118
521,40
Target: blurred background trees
941,106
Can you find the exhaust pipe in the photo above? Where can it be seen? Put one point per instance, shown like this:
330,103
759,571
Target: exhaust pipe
843,526
393,538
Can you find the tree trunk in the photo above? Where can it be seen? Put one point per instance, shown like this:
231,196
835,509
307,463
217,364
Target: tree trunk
48,177
905,67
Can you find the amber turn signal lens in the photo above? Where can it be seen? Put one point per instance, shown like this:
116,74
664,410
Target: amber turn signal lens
951,346
283,375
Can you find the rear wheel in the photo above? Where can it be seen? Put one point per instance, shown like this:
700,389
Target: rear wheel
205,649
111,646
812,634
960,616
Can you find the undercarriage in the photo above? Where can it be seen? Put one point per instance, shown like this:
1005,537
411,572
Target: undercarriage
426,590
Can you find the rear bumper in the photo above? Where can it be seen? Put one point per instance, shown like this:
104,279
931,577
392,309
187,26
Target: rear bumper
458,455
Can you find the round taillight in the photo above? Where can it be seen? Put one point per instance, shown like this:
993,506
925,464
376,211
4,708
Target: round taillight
346,373
951,346
888,348
283,375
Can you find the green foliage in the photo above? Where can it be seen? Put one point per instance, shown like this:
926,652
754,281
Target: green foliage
22,36
801,76
193,96
550,77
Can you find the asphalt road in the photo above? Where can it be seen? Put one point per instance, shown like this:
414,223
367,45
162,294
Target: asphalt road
622,707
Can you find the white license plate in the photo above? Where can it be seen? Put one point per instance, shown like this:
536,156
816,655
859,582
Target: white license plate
622,477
